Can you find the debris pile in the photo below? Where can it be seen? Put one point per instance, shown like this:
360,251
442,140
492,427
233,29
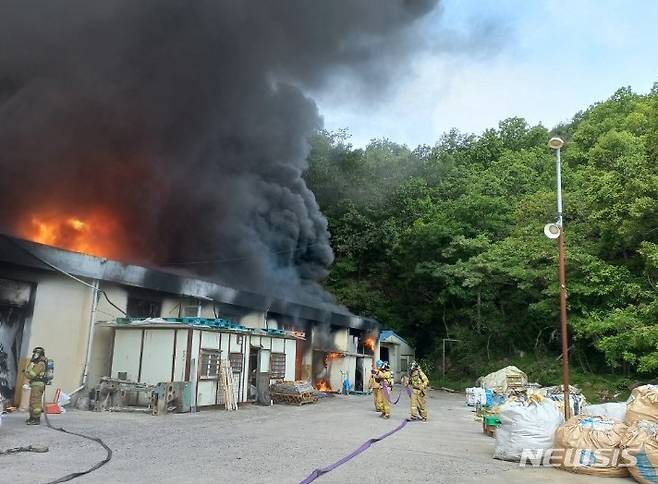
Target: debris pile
507,378
556,393
607,440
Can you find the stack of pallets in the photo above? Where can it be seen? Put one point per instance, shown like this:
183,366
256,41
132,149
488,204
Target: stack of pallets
293,393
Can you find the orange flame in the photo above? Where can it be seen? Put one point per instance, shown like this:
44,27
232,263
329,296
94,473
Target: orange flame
369,343
323,386
94,233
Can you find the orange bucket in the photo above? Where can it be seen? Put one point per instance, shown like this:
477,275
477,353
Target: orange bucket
53,408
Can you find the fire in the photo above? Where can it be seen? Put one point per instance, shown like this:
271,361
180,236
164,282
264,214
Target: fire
333,355
94,233
369,343
323,386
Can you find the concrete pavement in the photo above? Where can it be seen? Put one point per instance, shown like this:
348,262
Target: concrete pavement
280,444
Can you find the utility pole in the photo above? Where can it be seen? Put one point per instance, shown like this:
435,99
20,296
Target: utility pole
556,144
443,362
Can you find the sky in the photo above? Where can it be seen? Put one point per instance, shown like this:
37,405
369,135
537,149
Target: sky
479,62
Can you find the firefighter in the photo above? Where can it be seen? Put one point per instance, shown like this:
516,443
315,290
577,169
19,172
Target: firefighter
419,383
376,387
35,373
384,378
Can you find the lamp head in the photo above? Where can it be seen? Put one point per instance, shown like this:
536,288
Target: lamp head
552,230
555,143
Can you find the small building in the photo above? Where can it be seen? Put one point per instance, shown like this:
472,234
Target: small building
190,349
67,302
399,354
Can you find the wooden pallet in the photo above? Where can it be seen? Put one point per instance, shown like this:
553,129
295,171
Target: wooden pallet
294,399
490,430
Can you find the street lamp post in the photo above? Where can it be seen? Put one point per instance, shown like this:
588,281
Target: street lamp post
556,144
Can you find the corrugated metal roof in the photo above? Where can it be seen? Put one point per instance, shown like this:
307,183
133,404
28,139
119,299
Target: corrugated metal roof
387,333
206,324
25,253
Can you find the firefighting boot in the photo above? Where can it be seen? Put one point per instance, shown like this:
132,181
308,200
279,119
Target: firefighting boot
34,420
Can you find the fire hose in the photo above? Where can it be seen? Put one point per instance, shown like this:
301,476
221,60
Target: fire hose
29,448
318,472
388,395
73,475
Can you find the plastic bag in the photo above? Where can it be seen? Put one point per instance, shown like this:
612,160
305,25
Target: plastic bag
529,426
613,410
489,395
64,399
475,396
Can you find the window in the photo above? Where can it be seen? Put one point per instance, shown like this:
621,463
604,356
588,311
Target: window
278,366
209,364
404,364
236,362
191,311
139,307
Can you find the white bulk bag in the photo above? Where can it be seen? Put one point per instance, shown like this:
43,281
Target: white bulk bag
475,396
530,426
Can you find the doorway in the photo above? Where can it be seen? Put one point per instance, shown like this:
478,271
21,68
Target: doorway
253,373
383,353
15,308
358,376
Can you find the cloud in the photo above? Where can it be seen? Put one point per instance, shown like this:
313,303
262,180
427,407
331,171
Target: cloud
545,62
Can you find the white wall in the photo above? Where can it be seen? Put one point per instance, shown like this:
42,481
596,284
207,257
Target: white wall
101,349
127,348
60,323
368,364
181,354
157,355
208,391
171,307
291,352
255,319
340,339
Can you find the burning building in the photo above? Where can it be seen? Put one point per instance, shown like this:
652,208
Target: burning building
174,135
63,300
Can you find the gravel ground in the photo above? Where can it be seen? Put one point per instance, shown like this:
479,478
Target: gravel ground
279,444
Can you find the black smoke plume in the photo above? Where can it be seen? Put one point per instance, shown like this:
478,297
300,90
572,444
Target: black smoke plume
187,122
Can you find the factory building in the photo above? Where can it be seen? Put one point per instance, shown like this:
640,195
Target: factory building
77,306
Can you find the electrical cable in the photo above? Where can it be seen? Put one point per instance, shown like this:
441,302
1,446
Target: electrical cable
44,261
